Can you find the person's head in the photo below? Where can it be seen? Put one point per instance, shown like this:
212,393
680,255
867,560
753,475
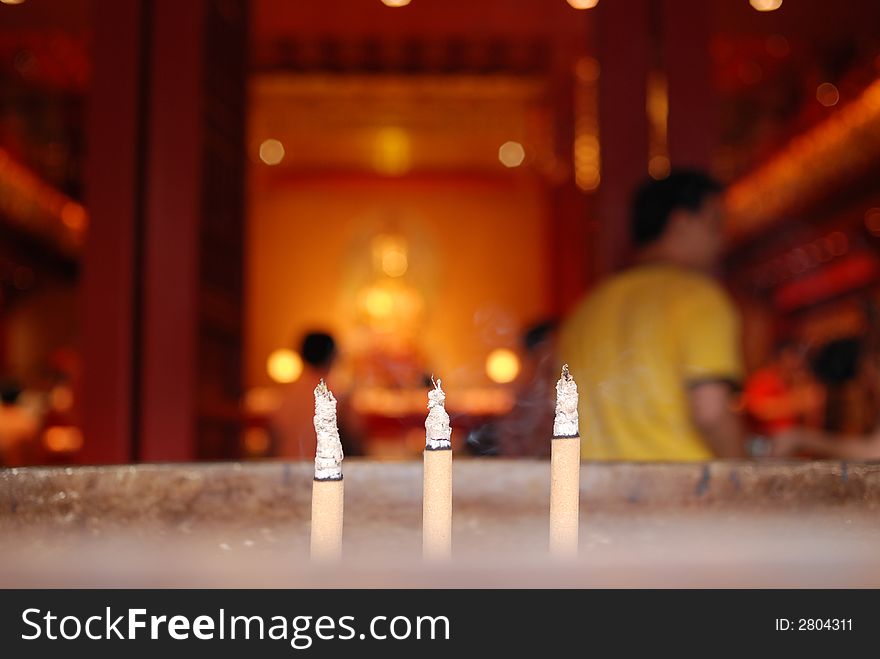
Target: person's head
839,361
318,350
9,392
539,349
539,336
680,217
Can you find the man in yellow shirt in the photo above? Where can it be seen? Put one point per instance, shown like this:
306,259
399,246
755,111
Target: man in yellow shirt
655,349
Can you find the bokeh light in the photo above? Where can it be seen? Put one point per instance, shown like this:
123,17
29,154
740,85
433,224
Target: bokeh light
502,365
396,3
827,94
73,215
583,4
61,398
390,254
63,439
261,400
872,221
511,154
284,366
392,151
379,303
766,5
271,152
256,441
394,262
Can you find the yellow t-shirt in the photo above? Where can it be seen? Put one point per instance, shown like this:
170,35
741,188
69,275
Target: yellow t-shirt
634,346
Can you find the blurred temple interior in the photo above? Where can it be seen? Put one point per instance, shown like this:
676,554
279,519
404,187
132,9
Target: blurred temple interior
187,189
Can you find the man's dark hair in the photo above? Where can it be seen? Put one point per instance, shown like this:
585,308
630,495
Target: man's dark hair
536,334
837,362
655,201
10,390
318,349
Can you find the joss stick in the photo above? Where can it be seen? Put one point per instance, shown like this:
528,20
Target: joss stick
437,498
327,487
565,465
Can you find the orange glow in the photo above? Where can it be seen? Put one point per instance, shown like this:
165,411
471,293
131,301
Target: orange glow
657,109
390,255
63,439
583,4
511,154
261,400
433,306
74,216
12,2
586,124
821,159
386,303
411,402
61,398
502,366
392,151
395,3
284,366
394,263
395,123
271,152
587,69
766,5
256,441
28,200
379,303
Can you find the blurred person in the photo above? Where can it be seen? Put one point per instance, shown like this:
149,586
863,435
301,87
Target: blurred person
850,376
523,431
655,349
783,394
292,424
18,426
841,364
821,444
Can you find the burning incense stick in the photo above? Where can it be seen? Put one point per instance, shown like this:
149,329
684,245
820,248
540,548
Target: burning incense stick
327,488
565,468
437,501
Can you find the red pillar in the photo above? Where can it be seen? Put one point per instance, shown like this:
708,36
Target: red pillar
568,251
166,181
624,55
691,127
108,272
171,235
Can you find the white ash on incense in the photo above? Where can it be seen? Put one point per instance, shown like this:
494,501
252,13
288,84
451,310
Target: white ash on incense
565,424
438,432
328,457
